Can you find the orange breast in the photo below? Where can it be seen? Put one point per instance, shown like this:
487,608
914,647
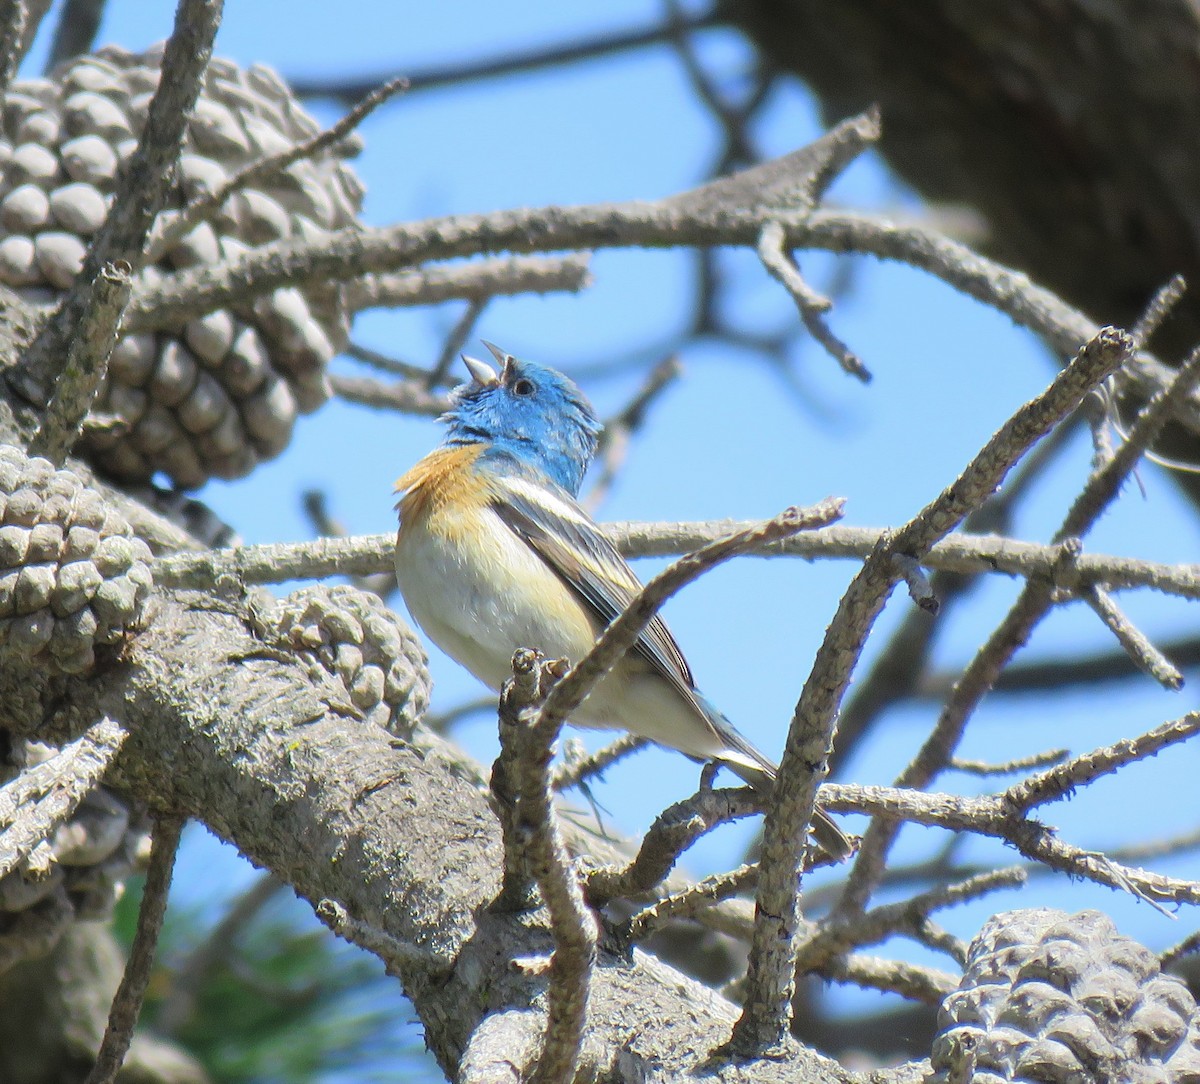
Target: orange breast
441,482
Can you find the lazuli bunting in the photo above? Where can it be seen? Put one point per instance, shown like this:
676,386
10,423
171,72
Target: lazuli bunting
495,554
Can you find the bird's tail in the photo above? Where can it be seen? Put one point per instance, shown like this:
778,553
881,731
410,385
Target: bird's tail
830,838
754,768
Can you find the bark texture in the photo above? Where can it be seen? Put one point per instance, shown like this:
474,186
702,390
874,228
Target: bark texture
274,758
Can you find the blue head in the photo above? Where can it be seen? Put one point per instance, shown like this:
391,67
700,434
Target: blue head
533,413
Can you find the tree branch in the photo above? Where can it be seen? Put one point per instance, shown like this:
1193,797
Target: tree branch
87,361
771,975
278,562
142,190
514,63
435,283
1138,646
13,15
75,31
1058,782
672,833
327,801
684,220
572,924
127,1004
44,796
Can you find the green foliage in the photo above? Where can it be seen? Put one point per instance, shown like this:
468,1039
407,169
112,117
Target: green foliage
278,999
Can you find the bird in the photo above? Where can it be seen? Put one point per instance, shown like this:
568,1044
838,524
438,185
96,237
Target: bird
494,553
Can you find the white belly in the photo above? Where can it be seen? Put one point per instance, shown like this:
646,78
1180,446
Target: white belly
482,601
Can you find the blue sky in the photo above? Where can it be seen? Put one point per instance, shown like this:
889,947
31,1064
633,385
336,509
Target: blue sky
731,439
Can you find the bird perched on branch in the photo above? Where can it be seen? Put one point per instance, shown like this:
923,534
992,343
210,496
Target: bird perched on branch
495,554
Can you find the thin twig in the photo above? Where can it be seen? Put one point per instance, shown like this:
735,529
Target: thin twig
1136,643
739,149
571,775
622,634
927,932
87,361
511,64
127,1002
731,119
1103,406
633,414
455,341
1064,671
913,981
383,362
440,722
207,205
405,396
1105,484
1166,847
828,941
942,867
775,257
1186,947
695,898
614,438
1158,309
75,31
1057,782
1008,767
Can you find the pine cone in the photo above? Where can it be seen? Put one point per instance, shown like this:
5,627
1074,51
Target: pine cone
72,573
223,393
81,870
357,638
1051,997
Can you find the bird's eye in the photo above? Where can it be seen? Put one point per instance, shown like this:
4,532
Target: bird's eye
523,388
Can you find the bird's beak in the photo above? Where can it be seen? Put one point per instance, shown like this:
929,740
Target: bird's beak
481,372
501,356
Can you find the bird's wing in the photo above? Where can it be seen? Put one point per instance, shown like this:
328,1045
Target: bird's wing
568,540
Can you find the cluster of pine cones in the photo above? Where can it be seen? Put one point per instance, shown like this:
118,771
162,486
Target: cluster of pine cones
209,399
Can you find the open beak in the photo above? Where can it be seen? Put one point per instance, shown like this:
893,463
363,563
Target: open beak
503,358
481,372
